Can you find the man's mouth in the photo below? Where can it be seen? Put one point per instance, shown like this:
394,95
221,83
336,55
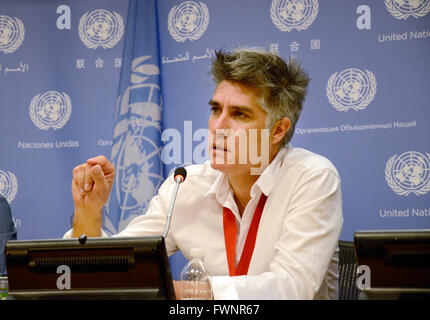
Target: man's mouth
219,148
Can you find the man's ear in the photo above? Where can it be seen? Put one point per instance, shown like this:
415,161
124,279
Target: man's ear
280,129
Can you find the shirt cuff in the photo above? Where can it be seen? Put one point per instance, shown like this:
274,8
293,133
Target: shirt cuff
68,234
223,288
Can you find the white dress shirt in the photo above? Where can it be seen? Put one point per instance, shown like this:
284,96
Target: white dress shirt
295,254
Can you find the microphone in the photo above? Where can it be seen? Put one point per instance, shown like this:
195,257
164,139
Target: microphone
180,173
179,177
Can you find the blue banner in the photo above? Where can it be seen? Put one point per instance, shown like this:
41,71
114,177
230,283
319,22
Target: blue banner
137,134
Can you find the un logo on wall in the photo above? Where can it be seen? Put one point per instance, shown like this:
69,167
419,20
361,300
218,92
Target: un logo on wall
351,89
12,34
403,9
51,109
136,150
8,185
293,14
101,28
409,173
189,20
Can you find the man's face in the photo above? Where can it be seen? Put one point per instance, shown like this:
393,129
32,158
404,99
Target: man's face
238,140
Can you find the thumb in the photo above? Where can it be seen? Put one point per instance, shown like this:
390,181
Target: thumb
100,184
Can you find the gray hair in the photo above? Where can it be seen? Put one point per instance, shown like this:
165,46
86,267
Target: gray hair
281,86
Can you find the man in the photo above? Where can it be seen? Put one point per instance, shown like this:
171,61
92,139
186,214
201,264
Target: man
7,231
269,229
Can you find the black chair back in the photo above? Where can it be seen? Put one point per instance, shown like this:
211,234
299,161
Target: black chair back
347,271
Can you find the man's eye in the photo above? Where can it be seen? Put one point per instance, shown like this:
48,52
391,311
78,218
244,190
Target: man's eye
240,115
215,109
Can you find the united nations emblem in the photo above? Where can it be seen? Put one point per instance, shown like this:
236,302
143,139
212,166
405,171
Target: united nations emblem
409,173
351,89
8,185
189,20
101,28
293,14
51,109
403,9
12,34
136,152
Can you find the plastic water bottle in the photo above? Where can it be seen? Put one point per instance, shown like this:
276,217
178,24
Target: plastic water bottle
195,281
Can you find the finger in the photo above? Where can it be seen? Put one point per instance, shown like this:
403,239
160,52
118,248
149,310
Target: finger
78,176
88,180
76,192
100,184
75,175
107,167
74,189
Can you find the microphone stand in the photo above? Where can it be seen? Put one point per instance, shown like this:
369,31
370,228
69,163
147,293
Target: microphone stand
178,181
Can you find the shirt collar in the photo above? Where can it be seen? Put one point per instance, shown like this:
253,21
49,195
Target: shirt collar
267,179
221,187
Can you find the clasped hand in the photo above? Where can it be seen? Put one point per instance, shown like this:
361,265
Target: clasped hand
92,184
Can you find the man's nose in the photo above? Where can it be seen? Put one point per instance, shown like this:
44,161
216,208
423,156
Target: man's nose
222,122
